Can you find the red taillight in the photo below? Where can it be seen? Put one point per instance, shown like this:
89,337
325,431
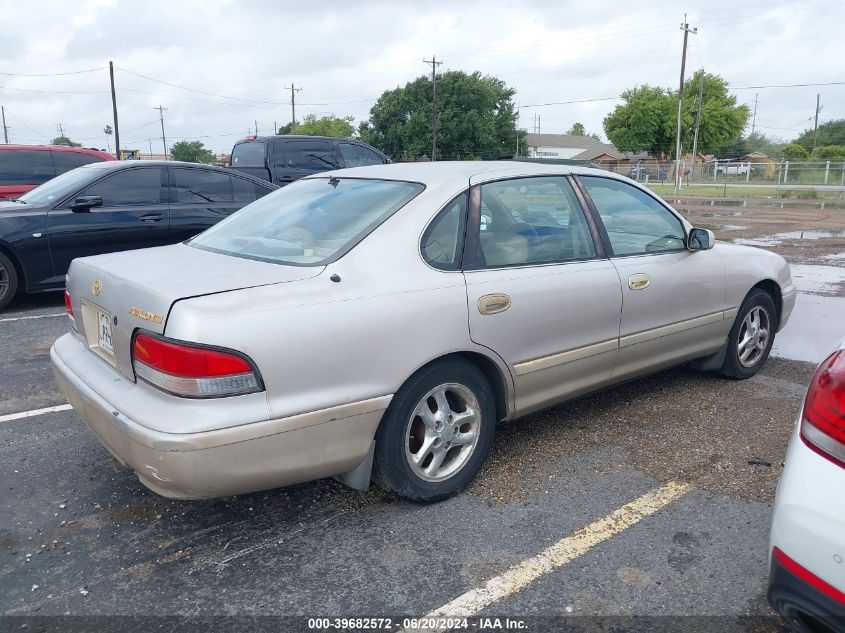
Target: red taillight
807,576
68,304
823,422
188,370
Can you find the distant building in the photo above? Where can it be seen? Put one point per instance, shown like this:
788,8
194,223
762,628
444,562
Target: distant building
579,148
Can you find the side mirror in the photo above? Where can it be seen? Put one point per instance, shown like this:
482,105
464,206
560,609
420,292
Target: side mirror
86,203
700,240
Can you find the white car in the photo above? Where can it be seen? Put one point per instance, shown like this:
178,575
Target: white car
807,547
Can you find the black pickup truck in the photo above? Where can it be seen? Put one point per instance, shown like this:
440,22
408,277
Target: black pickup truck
283,159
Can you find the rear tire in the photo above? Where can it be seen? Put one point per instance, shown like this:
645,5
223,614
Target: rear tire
751,336
8,281
436,433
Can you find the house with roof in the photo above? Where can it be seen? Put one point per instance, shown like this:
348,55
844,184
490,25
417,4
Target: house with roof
571,146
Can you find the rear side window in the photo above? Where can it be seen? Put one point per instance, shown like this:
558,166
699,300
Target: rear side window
25,167
129,187
248,154
310,155
442,240
202,186
65,161
358,156
247,191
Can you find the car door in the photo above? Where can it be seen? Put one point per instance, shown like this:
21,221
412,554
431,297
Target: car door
540,291
134,214
200,198
673,299
296,158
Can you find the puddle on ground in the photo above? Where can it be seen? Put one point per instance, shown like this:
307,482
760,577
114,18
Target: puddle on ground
814,330
757,203
818,280
835,256
779,238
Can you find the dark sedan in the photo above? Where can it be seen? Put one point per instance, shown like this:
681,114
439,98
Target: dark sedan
111,206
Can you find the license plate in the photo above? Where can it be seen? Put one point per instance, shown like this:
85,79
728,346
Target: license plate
98,330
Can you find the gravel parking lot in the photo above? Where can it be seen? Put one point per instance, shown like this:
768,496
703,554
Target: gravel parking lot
80,536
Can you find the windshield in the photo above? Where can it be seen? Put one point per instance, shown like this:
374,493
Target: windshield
309,222
60,186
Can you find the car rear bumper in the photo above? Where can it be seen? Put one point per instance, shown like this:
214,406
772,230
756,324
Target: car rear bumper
801,603
221,462
808,526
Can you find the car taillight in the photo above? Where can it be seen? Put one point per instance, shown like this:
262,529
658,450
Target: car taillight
68,304
823,421
186,369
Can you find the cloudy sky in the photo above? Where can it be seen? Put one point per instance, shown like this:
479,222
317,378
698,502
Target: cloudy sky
218,67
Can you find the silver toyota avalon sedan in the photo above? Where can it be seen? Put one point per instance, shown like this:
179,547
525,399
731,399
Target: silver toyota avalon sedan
378,322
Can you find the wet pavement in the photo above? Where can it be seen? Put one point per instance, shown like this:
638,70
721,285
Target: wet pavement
79,535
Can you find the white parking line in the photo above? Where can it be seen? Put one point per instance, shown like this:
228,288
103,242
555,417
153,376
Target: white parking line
32,316
30,414
565,550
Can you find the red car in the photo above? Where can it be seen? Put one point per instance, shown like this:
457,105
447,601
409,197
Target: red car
24,167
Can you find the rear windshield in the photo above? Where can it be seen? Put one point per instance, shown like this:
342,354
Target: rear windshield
310,222
248,154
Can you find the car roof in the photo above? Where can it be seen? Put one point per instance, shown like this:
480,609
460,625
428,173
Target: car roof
460,172
57,148
130,164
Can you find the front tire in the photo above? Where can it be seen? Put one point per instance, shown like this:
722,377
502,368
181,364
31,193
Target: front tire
436,433
8,281
752,336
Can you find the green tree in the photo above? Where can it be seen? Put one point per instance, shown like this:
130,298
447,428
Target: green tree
578,129
647,121
826,152
476,118
794,151
64,140
830,133
191,152
331,125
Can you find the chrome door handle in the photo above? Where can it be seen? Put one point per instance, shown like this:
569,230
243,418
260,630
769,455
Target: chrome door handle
152,217
493,304
638,281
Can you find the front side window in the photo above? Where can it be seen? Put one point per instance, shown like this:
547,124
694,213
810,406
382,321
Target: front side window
25,167
129,187
357,156
310,155
202,186
442,240
530,221
636,223
310,222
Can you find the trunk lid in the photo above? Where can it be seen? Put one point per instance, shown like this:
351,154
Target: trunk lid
117,293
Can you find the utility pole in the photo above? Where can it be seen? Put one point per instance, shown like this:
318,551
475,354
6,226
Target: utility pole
114,112
60,129
816,126
434,64
5,129
293,91
161,110
697,123
256,128
754,118
687,30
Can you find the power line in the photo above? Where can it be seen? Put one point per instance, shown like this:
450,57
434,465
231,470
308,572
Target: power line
70,72
542,105
829,83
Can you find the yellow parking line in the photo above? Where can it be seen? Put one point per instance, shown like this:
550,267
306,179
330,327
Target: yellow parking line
565,550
